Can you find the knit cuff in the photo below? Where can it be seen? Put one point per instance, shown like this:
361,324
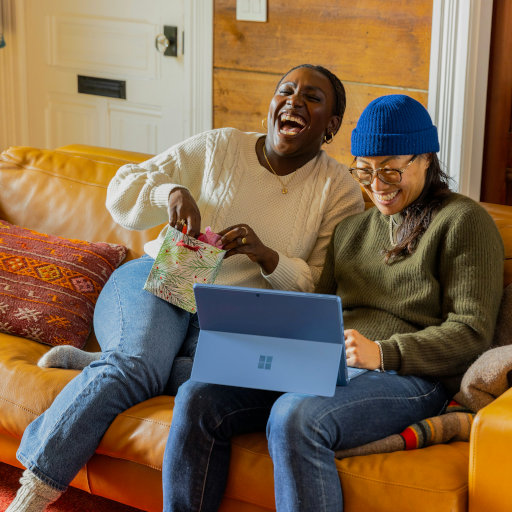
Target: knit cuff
391,358
284,276
160,195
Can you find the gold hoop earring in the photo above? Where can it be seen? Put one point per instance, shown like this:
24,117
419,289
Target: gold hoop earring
330,139
264,123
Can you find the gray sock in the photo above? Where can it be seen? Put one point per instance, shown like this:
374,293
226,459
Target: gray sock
66,356
34,495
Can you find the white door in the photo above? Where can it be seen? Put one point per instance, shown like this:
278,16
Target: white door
113,40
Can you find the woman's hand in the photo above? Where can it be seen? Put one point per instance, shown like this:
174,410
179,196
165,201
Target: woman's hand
360,351
241,239
183,210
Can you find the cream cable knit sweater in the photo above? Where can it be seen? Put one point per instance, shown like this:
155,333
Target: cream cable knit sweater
221,170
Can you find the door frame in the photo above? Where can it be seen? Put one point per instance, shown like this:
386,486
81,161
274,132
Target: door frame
13,88
198,66
459,63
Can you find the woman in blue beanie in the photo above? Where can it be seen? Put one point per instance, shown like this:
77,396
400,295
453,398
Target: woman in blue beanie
420,277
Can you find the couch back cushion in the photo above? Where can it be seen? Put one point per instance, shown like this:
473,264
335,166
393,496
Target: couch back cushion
502,215
63,194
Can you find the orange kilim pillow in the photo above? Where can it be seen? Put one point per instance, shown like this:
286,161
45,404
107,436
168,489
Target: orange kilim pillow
49,285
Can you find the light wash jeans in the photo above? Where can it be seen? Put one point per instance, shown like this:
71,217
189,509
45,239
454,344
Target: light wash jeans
139,335
303,431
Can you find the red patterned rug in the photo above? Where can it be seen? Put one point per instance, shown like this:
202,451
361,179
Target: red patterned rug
73,500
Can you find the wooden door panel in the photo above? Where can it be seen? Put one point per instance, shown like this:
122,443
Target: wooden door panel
90,44
68,117
135,127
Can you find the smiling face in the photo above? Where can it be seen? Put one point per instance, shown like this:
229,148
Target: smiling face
391,199
301,113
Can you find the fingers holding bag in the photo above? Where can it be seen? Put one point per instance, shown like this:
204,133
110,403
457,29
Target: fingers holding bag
184,214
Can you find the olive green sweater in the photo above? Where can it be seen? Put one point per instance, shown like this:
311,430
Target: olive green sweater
434,311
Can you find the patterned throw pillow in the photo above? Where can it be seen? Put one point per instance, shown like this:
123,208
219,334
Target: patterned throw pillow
49,285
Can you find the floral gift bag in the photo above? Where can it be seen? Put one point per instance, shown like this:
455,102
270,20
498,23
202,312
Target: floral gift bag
181,262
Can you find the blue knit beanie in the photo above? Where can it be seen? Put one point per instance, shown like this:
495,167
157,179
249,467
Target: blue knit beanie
394,125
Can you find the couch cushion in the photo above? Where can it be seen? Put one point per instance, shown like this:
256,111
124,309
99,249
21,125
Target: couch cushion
501,215
503,331
433,478
49,285
25,389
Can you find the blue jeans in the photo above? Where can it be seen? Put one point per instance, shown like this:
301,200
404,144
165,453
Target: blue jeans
303,431
139,335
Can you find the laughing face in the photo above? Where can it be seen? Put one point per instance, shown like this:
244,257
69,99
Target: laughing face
391,199
301,114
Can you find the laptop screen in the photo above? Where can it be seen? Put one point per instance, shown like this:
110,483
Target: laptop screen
276,313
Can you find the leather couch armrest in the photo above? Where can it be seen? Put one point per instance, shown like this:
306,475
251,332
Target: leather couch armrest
490,470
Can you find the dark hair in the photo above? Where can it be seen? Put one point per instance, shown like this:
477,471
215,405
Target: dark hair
419,214
340,99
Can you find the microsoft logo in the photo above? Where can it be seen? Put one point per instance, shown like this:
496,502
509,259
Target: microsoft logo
265,362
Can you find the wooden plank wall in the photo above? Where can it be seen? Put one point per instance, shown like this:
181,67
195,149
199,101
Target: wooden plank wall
375,47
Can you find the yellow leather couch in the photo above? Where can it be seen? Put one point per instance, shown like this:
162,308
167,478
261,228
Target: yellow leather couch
63,192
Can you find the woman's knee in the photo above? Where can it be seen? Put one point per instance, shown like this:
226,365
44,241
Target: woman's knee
133,372
291,419
195,398
207,406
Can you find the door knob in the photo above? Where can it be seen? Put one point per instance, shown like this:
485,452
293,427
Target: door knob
161,43
167,43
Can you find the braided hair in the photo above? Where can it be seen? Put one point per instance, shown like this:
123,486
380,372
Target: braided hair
340,99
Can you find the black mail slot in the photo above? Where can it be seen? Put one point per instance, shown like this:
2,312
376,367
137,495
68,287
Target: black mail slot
102,86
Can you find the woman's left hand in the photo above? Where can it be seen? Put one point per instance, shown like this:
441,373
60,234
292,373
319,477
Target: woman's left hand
360,351
241,239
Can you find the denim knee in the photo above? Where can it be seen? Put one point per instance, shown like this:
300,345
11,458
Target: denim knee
210,408
292,421
193,400
134,372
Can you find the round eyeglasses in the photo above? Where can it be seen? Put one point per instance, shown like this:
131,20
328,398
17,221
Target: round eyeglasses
385,174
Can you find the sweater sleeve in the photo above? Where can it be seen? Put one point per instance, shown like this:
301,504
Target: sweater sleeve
302,275
137,196
471,276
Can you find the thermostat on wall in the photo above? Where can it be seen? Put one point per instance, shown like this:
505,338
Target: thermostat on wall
251,10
